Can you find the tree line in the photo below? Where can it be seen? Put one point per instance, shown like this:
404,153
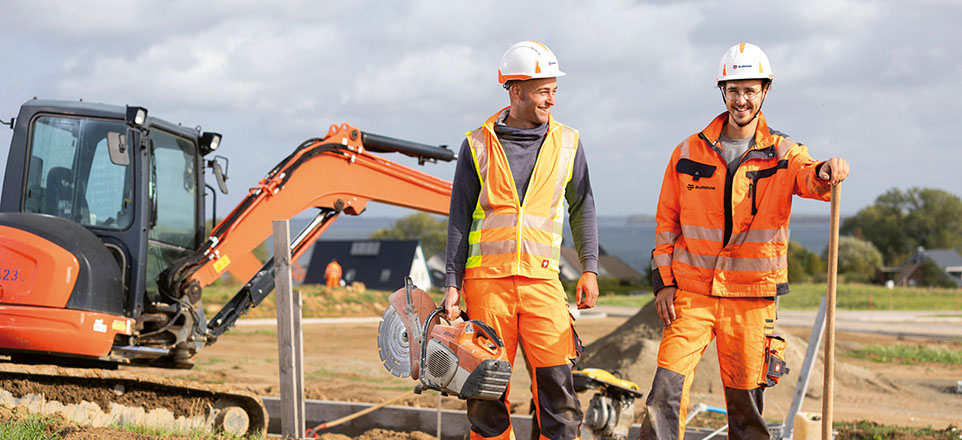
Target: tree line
887,233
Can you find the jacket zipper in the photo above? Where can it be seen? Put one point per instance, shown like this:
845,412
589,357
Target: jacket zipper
728,190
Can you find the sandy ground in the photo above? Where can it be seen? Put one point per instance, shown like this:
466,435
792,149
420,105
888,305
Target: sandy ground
342,363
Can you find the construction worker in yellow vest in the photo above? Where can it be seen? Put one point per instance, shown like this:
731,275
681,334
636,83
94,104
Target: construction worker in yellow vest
721,247
513,175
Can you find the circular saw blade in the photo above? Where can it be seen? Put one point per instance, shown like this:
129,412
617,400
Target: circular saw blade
393,345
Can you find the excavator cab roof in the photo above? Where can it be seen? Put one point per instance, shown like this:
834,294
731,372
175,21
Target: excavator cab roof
91,109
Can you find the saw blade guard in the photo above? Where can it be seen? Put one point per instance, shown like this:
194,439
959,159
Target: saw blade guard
411,307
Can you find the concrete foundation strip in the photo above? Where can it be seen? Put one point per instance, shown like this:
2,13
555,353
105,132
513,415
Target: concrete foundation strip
454,423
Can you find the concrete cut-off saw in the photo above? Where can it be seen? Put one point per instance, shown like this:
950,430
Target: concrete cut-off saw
465,359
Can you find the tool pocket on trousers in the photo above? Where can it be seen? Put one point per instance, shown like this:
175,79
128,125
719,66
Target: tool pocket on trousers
576,346
775,366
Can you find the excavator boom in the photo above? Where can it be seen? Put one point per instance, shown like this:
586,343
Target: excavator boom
335,174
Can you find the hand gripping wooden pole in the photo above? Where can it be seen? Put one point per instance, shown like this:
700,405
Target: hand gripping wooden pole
829,376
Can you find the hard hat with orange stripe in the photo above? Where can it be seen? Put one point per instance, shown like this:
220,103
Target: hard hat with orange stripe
744,61
528,60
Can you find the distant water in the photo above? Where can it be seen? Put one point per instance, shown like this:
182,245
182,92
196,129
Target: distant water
630,241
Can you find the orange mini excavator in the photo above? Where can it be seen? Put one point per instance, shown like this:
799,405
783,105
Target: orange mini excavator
104,253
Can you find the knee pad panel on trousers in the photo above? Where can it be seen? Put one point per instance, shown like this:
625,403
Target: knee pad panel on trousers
489,418
559,410
664,406
745,419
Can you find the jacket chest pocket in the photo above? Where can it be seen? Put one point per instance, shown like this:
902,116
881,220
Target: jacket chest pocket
759,177
696,170
701,187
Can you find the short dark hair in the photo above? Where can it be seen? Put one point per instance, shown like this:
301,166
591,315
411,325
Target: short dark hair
510,82
766,83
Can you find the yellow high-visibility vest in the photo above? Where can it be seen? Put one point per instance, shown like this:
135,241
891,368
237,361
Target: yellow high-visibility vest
509,237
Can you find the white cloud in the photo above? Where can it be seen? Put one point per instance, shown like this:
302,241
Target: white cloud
875,82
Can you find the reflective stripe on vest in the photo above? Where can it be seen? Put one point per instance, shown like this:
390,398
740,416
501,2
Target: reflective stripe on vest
512,237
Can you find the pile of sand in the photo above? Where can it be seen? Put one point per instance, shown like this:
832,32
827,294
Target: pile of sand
631,351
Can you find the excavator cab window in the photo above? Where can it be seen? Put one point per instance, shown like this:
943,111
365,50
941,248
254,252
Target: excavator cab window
70,174
174,187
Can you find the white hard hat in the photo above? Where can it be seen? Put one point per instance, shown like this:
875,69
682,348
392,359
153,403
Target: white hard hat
527,60
744,61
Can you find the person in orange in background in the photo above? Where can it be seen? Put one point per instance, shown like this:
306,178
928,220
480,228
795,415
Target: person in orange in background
333,274
513,176
721,246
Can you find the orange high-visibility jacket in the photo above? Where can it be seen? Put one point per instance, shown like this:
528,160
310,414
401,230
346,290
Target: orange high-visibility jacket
727,235
508,237
333,270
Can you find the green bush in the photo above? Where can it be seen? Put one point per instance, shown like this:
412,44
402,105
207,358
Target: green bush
857,259
803,264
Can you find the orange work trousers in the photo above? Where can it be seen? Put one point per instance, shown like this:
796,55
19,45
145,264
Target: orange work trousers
744,332
535,313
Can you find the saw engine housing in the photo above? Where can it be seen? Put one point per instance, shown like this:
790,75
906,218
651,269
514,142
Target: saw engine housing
466,359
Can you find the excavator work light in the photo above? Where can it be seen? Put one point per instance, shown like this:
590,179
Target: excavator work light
209,141
136,116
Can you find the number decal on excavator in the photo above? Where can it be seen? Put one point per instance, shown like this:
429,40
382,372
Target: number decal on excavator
10,275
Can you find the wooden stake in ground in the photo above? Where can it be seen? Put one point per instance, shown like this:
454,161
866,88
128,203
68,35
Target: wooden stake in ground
290,352
829,376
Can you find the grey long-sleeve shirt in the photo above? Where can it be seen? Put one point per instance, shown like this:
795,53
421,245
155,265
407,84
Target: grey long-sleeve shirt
521,147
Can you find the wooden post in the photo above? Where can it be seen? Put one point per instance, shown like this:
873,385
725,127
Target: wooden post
298,333
829,376
289,354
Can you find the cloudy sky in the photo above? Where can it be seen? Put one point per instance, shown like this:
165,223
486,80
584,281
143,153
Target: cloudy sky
876,82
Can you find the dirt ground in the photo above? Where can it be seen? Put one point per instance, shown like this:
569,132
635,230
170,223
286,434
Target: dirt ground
342,363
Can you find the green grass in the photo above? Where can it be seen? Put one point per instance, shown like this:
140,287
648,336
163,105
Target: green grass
908,354
806,296
210,360
192,434
256,332
30,428
624,300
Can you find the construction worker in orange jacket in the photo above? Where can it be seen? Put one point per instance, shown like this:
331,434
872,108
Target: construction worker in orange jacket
504,241
333,274
720,250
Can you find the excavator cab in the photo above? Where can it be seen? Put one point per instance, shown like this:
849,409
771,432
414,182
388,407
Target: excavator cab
129,187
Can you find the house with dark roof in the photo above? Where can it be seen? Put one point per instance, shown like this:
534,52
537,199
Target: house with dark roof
609,266
379,264
947,260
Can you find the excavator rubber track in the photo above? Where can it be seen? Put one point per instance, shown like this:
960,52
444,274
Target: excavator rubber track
102,397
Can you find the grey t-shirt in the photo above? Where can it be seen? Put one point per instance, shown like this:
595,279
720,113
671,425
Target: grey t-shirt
521,147
734,149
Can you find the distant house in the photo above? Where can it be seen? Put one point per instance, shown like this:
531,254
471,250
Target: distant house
609,267
437,270
379,264
908,274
